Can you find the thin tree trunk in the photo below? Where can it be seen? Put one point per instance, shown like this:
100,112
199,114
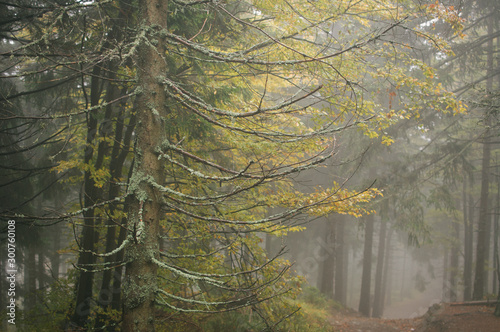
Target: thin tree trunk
454,262
55,259
119,153
340,293
446,268
40,271
495,237
377,299
140,283
30,277
403,277
497,260
386,296
488,249
468,237
365,297
86,259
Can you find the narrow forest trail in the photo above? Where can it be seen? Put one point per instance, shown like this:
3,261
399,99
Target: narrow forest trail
438,318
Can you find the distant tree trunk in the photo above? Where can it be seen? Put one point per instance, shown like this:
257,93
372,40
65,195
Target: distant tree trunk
327,260
341,257
269,245
365,297
482,232
468,212
386,296
40,271
55,259
403,277
446,268
30,277
497,260
351,274
495,238
497,254
145,212
454,262
378,297
487,250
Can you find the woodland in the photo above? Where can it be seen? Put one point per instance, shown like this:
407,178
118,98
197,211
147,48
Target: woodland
245,165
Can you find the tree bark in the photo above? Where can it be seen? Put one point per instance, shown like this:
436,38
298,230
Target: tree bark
140,284
365,297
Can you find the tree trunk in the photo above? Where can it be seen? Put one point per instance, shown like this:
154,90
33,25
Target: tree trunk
40,270
140,284
30,277
446,268
482,232
119,153
327,260
495,239
454,263
387,276
55,259
365,297
468,213
86,258
378,298
497,260
116,303
341,257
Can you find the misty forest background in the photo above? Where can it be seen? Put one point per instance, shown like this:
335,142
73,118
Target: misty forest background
190,165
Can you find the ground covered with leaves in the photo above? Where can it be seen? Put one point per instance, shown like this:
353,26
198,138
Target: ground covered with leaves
440,318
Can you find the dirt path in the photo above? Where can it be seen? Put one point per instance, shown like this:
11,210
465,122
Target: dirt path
439,318
461,319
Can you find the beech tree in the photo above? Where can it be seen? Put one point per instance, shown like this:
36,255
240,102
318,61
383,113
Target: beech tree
224,102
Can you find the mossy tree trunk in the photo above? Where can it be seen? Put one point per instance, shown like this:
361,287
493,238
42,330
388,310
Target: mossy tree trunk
140,284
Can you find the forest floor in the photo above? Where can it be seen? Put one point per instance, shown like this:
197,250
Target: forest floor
439,318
